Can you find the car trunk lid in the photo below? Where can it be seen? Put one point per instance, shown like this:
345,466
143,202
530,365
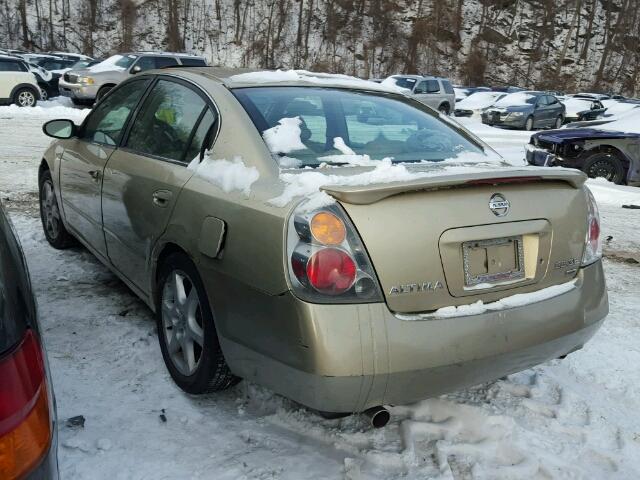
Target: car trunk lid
455,239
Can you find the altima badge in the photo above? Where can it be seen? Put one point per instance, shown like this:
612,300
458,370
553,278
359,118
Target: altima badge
416,287
499,205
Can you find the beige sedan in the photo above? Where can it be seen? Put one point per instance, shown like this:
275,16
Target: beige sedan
337,242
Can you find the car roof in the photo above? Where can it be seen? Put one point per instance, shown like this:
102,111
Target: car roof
163,54
10,57
246,77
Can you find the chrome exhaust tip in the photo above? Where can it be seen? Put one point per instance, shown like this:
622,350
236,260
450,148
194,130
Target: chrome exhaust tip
378,416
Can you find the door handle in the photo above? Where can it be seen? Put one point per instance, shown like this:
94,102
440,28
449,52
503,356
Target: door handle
161,198
95,175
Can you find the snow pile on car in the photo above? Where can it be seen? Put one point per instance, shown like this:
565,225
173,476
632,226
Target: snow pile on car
228,175
284,137
479,307
630,123
478,100
321,79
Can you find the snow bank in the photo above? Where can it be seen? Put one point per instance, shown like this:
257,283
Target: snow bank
277,76
285,137
629,123
228,175
59,107
479,307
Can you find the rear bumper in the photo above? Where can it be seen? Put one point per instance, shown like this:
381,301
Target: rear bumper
346,358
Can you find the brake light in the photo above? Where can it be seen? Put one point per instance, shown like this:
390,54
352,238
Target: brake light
331,271
25,423
327,261
593,240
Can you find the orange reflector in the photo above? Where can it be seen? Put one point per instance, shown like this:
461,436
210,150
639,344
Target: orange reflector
328,229
23,447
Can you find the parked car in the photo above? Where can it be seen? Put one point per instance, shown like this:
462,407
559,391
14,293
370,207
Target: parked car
476,103
581,109
462,92
342,300
91,84
433,91
525,110
28,438
598,153
508,89
17,84
594,96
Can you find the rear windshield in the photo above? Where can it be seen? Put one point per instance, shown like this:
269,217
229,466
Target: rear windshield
316,125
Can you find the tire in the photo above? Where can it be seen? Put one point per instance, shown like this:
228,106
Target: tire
54,230
559,122
528,124
444,109
44,96
25,97
605,165
102,92
187,325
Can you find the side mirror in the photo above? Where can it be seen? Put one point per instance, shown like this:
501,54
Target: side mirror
136,69
60,128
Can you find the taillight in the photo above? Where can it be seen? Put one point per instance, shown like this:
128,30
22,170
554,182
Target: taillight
593,240
25,422
326,259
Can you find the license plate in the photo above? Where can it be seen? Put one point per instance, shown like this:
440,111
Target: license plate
494,261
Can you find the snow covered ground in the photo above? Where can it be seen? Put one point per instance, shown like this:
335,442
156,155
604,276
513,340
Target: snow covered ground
576,418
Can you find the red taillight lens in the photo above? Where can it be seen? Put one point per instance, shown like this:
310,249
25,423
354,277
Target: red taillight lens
25,424
593,240
331,271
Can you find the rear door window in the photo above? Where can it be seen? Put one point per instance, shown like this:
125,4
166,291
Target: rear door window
193,62
166,120
433,86
106,123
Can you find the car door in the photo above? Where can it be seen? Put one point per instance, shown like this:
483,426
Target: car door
144,177
84,158
427,92
554,108
541,112
12,73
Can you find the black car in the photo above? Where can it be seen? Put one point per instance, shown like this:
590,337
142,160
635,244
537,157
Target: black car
526,110
598,153
28,438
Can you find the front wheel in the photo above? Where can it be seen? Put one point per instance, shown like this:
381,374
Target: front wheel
528,125
605,165
186,329
54,230
25,97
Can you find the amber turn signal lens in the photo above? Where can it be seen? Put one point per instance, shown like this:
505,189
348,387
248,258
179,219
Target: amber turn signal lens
23,447
328,229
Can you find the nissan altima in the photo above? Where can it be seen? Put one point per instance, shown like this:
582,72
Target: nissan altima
331,239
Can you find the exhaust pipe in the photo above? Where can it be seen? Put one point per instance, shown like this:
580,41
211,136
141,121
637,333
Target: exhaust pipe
378,416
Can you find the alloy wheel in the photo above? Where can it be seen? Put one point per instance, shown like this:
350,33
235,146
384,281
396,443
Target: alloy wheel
50,211
182,322
26,99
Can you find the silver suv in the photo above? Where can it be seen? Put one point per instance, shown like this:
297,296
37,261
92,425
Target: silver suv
436,92
89,85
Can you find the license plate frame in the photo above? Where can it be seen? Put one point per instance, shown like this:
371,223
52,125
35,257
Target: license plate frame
493,248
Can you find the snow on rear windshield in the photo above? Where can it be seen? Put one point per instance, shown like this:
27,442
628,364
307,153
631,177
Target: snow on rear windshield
303,123
516,99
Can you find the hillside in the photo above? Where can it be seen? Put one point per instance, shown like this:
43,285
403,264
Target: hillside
564,44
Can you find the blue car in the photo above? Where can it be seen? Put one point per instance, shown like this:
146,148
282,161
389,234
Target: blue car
526,110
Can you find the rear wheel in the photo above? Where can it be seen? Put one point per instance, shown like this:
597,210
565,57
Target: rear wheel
25,97
186,329
559,122
54,230
605,165
444,109
528,125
